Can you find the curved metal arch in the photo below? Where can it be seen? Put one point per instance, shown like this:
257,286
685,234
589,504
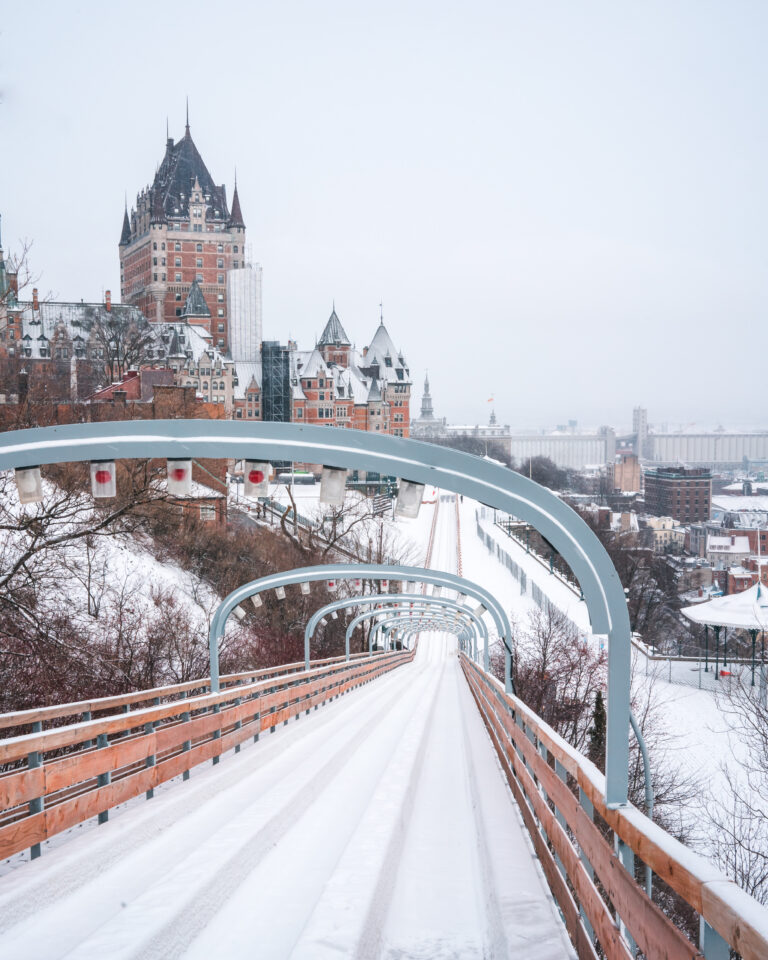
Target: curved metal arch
386,599
462,473
420,619
348,571
423,605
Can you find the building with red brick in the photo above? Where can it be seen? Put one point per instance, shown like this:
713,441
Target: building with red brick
181,232
679,492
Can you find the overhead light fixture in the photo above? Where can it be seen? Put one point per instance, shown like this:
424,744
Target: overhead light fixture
29,484
479,610
461,598
255,479
104,479
409,496
179,478
256,600
239,613
304,587
333,483
331,584
280,593
334,615
384,585
436,590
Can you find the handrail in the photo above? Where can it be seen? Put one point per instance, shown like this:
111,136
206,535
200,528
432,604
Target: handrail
86,773
19,718
538,764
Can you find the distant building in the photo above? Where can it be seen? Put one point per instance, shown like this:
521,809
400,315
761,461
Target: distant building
725,552
624,473
666,534
678,492
182,231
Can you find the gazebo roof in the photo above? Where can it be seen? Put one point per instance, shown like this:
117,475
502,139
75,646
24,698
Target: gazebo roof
743,611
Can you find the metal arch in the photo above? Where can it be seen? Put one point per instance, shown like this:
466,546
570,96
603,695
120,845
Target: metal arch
451,470
384,599
425,621
347,571
423,605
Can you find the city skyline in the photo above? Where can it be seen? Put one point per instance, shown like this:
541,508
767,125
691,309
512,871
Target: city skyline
586,238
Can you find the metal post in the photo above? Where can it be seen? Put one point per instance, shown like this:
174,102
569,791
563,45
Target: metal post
725,647
34,761
711,943
753,634
150,760
717,651
104,779
706,648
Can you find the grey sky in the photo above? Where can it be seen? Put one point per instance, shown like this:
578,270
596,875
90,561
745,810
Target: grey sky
562,205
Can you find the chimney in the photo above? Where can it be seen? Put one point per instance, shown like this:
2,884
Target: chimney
108,300
733,540
35,301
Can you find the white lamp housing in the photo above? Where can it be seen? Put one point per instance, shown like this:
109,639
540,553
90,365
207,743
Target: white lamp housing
409,497
479,610
29,484
334,615
436,590
239,613
256,600
333,484
280,593
461,598
255,479
384,584
331,584
357,584
304,587
103,479
179,480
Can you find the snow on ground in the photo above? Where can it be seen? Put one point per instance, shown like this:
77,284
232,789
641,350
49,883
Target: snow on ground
316,842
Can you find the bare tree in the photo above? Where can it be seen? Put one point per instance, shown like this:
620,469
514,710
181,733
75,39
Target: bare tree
127,339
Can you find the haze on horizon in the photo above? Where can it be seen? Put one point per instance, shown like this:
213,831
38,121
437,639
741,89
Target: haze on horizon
561,205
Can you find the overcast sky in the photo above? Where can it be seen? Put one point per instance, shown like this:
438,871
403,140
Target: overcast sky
561,205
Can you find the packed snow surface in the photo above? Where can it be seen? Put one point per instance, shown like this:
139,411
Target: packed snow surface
379,826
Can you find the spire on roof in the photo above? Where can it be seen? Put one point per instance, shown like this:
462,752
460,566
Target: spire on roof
186,129
333,332
195,305
236,217
125,236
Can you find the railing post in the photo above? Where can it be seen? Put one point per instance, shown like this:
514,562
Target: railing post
588,808
34,761
627,856
187,745
87,716
238,723
103,779
217,733
150,761
711,943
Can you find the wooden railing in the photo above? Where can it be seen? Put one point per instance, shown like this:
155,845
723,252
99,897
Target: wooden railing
125,701
559,792
68,774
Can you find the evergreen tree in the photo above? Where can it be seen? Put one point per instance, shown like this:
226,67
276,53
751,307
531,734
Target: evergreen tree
596,747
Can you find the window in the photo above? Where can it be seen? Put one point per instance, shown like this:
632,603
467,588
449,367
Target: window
222,385
322,395
154,246
199,248
163,278
236,264
235,248
199,263
299,414
162,261
220,248
220,312
221,341
220,263
154,276
220,279
239,414
220,297
178,278
207,512
205,385
162,246
221,328
177,246
154,260
178,261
